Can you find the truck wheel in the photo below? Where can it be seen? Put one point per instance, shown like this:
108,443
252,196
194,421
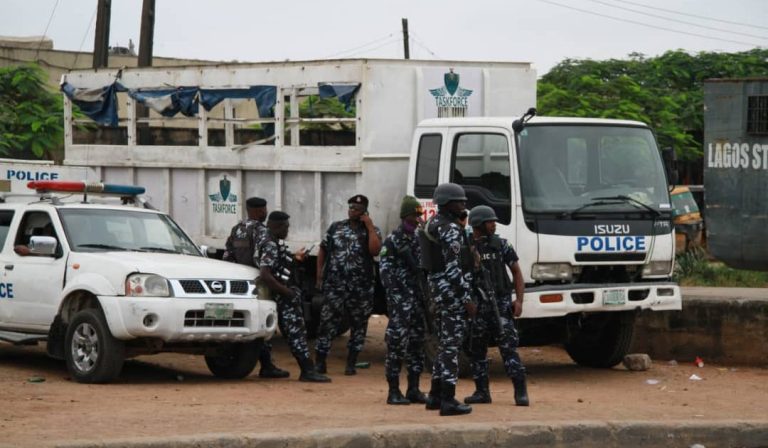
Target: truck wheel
312,318
234,361
92,354
601,339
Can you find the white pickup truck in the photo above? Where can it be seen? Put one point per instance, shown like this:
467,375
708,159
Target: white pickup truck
102,282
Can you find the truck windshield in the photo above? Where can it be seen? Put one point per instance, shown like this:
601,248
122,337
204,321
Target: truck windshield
94,230
565,167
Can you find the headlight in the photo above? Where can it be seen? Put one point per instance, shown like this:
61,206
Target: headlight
146,285
552,271
657,268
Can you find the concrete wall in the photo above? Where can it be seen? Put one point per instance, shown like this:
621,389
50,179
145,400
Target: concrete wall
721,325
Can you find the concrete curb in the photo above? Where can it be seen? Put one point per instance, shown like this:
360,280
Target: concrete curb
750,434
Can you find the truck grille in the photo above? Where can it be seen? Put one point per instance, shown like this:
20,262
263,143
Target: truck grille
214,286
195,318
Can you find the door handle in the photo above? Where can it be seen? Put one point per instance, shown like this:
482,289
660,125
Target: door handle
8,267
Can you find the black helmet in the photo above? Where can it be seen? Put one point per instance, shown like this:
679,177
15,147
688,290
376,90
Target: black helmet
445,193
481,214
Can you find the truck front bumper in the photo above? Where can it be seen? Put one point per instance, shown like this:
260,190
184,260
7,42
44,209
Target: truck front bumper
175,319
560,300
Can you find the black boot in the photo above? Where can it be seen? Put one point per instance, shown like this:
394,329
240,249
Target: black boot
395,396
351,361
521,391
320,363
482,393
309,374
413,394
433,399
268,368
449,405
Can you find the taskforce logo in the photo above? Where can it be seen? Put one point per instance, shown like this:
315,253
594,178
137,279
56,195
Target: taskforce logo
224,201
451,99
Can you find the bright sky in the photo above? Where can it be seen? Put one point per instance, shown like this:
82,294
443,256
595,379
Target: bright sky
540,31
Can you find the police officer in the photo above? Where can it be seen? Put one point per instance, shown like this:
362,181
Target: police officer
242,247
447,258
496,320
345,273
400,267
276,267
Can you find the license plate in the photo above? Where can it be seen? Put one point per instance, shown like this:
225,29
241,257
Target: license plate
219,311
614,297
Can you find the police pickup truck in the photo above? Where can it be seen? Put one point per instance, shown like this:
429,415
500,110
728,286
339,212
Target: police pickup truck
104,281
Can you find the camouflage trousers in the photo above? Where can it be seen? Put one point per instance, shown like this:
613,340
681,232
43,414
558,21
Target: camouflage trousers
451,326
357,303
290,320
405,332
483,328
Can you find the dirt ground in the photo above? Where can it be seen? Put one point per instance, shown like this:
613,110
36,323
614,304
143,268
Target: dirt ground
174,395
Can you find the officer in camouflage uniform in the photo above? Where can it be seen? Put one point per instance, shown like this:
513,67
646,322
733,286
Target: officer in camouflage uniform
242,247
276,268
447,257
345,272
400,266
496,254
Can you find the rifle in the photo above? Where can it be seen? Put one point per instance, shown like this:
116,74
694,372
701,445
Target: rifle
487,294
421,283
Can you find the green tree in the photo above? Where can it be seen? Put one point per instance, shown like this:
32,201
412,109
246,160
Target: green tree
664,91
31,116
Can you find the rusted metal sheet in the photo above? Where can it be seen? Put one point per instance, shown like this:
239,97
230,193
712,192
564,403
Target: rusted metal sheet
736,171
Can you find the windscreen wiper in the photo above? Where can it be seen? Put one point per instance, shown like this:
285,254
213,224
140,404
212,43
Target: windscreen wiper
595,202
101,246
631,200
158,249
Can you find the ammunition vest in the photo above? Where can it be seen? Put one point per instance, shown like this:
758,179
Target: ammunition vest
491,255
242,242
432,253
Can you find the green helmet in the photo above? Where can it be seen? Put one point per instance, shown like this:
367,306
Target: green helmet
445,193
481,214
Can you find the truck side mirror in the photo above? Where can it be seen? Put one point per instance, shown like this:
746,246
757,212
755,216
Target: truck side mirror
42,245
669,158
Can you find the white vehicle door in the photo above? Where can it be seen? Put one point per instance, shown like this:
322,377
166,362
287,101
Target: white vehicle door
6,260
36,280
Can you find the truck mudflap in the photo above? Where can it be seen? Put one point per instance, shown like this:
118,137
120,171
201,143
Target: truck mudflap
560,300
175,319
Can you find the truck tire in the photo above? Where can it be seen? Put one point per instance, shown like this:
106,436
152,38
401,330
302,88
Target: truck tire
91,353
234,361
312,318
600,340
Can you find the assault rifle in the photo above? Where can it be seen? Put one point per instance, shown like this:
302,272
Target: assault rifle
487,294
421,283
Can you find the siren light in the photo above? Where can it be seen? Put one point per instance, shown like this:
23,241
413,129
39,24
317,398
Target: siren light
44,186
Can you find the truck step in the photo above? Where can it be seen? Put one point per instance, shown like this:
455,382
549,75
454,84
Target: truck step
17,338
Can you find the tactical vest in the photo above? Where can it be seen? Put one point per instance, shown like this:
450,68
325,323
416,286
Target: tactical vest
493,261
432,254
282,271
242,243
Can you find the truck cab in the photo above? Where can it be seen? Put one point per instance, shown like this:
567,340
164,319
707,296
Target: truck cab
103,281
585,204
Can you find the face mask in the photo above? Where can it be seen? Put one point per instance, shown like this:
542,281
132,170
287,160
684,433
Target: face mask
409,227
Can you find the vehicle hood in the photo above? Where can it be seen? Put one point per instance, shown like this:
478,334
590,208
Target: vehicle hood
172,266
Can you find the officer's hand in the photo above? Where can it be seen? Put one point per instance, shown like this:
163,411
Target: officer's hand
471,309
296,291
300,255
366,220
518,307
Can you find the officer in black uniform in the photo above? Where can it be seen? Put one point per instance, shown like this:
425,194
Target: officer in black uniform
241,247
448,259
495,317
276,269
345,272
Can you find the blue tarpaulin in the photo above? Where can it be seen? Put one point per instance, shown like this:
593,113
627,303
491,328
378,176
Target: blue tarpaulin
344,92
100,104
168,102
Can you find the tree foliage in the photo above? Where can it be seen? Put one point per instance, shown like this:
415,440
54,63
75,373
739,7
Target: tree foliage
664,92
31,116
